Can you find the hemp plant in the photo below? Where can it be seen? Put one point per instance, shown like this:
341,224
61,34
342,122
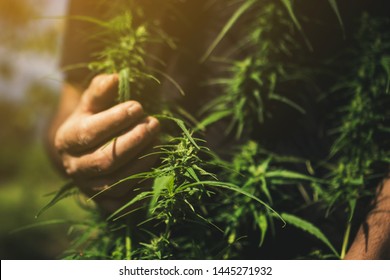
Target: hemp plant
126,37
199,206
255,80
265,175
180,200
181,182
176,194
252,84
360,151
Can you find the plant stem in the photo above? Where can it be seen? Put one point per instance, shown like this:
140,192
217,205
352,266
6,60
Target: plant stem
345,240
128,244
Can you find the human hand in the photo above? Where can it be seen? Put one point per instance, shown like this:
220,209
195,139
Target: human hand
100,143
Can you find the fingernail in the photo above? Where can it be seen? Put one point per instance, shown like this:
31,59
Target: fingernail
130,109
153,125
108,80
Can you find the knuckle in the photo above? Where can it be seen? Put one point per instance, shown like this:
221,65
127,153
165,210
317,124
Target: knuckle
58,141
118,113
92,165
139,136
83,134
141,133
103,162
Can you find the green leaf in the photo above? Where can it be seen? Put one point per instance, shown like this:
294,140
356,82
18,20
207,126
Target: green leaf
310,228
182,126
333,4
265,189
289,175
67,190
262,223
214,117
40,224
232,187
209,222
139,197
287,101
385,62
170,79
160,183
93,20
290,10
192,174
352,206
124,85
143,175
237,14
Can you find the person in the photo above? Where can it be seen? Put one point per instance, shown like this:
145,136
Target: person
88,117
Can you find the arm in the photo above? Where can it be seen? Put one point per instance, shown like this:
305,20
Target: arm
373,238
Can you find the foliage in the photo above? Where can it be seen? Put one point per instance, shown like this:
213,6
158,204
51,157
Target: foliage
360,151
201,206
258,78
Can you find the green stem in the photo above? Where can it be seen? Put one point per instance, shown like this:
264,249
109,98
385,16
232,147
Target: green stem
345,240
128,244
352,207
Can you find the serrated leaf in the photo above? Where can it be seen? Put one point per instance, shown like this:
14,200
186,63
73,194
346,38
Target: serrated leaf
160,183
287,101
40,224
182,126
333,4
262,223
310,228
289,175
191,172
237,14
290,10
232,187
66,191
214,117
139,197
385,62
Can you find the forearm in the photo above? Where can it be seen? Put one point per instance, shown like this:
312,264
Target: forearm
373,238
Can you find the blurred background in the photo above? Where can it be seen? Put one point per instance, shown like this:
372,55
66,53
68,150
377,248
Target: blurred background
30,81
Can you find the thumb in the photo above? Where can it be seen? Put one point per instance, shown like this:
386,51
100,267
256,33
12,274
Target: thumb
101,93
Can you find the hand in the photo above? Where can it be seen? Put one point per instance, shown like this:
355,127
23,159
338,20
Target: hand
100,143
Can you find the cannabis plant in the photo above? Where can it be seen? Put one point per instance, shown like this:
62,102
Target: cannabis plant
257,79
202,206
360,151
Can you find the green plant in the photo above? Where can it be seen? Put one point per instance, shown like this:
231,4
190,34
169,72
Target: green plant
360,151
259,78
200,206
